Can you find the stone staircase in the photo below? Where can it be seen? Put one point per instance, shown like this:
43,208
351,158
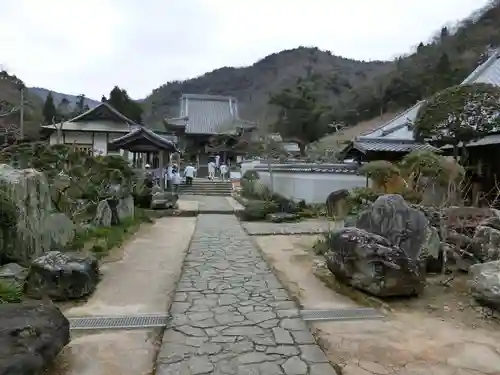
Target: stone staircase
203,186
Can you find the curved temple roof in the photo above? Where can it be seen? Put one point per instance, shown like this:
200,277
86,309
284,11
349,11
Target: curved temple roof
143,140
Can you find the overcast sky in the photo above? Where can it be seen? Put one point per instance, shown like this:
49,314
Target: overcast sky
91,45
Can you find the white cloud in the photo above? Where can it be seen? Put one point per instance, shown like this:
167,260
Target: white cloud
88,47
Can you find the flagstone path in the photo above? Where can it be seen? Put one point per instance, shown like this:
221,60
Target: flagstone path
230,313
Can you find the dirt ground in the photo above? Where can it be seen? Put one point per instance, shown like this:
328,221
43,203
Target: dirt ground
138,278
442,332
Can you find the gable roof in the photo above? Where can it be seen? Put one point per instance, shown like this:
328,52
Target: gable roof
487,72
209,114
143,139
95,120
103,110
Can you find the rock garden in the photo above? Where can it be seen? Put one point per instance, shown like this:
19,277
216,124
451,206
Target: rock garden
261,204
410,247
61,211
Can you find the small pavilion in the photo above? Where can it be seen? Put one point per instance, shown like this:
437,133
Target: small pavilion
147,144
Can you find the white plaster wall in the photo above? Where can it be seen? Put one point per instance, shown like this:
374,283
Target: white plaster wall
100,144
311,187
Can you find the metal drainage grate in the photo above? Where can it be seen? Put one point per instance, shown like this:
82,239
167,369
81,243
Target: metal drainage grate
341,314
119,322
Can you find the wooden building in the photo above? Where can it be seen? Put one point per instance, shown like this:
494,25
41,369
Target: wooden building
208,125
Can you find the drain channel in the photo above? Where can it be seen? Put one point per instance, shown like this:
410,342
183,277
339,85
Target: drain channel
341,314
119,322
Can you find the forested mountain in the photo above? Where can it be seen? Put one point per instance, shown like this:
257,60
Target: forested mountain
354,90
252,85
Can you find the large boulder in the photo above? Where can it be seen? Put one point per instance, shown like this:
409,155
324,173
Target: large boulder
164,200
337,204
62,276
489,239
13,274
392,218
373,264
104,214
61,228
33,233
485,283
31,336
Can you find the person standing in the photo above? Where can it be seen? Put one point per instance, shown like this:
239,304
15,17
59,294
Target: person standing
168,177
176,179
189,172
223,171
211,170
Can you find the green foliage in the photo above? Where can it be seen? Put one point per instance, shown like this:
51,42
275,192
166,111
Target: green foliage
428,164
380,171
72,174
10,292
121,101
101,240
459,114
8,211
300,117
49,109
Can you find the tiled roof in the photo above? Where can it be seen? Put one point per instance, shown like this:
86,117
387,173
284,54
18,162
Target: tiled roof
209,114
102,110
390,145
487,72
492,139
145,135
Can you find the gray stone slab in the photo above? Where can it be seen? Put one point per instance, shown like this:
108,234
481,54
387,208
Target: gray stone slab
311,226
210,204
231,315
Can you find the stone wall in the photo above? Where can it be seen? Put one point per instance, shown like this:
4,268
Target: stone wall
309,182
38,228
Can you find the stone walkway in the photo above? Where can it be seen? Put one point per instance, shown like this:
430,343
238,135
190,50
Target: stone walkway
210,203
231,315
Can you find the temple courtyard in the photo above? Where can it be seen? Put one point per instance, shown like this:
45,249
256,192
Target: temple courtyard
235,294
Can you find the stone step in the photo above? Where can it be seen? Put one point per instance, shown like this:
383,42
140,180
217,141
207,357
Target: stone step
211,193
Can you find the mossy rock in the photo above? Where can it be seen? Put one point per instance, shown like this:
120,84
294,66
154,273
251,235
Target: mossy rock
258,210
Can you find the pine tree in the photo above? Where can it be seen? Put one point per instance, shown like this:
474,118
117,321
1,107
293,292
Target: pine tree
119,100
49,109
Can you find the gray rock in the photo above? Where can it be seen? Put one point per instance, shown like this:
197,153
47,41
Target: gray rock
61,228
62,276
337,204
392,218
485,283
13,274
125,208
164,200
103,215
31,336
489,240
373,264
282,217
432,250
29,190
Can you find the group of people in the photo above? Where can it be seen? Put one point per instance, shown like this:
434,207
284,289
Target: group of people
216,165
173,177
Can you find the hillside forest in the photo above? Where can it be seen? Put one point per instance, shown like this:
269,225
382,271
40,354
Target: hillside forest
301,91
